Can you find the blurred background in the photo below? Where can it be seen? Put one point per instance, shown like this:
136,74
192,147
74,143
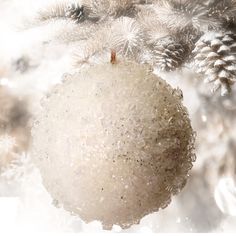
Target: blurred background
31,63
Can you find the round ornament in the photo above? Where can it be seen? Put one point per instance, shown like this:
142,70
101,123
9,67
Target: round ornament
113,143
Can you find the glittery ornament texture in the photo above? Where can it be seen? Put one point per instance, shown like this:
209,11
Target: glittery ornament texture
113,143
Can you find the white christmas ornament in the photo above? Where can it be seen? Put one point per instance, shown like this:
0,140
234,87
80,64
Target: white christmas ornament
113,143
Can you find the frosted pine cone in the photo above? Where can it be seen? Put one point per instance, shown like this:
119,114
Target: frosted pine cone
169,54
75,12
216,59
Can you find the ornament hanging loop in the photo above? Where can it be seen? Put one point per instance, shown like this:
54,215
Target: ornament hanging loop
113,57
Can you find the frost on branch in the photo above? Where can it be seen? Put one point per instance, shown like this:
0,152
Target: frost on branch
124,36
223,11
179,15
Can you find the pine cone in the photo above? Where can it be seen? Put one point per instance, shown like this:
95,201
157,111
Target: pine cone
75,12
169,54
216,59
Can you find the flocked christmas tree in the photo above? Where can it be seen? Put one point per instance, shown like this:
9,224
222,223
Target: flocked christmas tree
157,32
